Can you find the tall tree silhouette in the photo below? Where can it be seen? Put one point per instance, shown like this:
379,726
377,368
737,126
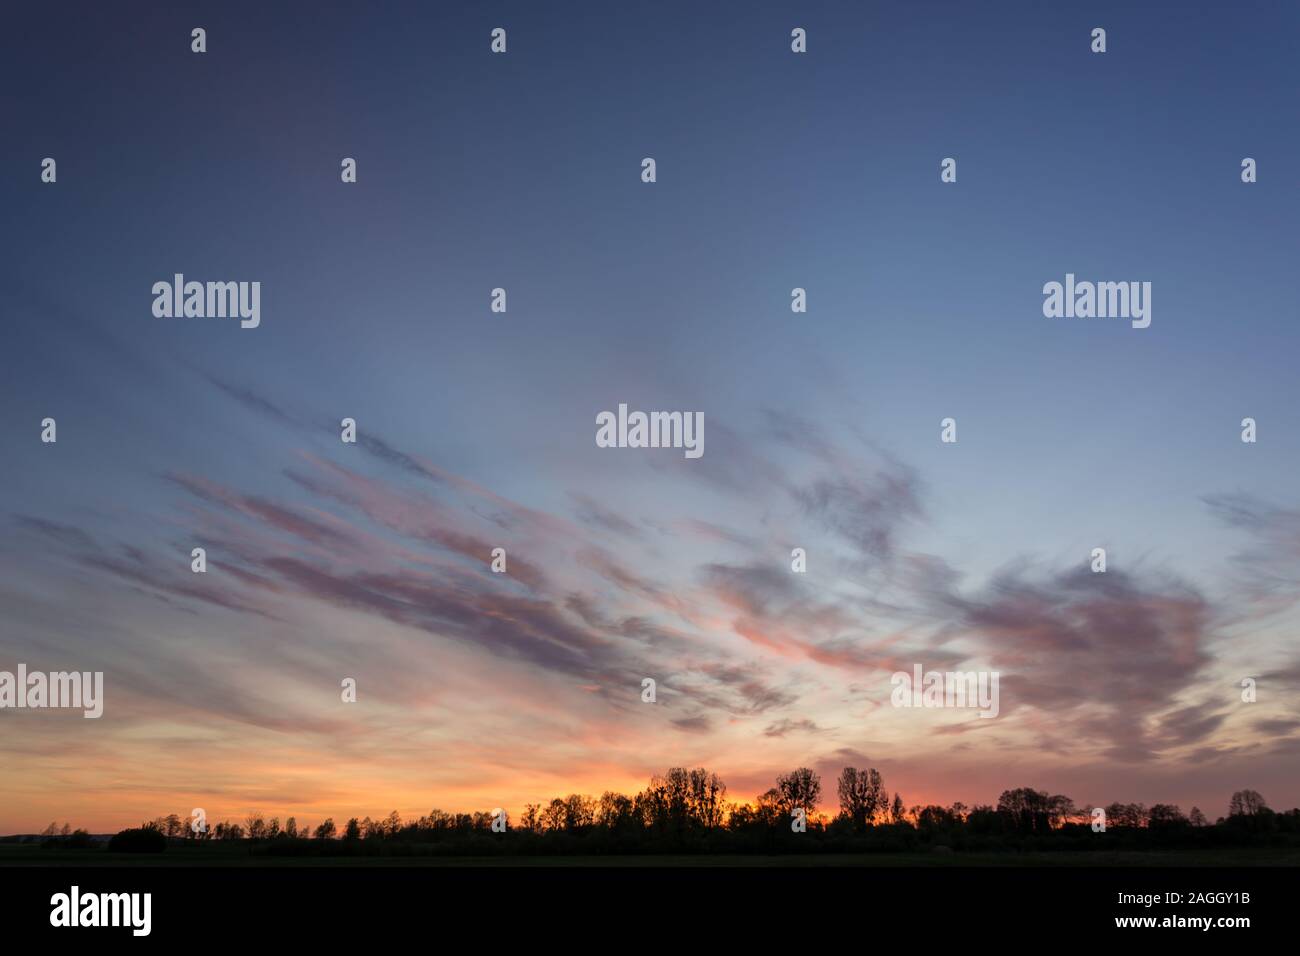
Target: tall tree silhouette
862,796
800,788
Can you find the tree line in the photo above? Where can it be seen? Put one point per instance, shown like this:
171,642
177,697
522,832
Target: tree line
687,810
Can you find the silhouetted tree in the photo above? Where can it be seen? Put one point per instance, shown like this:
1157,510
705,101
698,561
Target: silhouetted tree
579,812
1059,810
1026,809
1126,814
1247,811
554,816
682,800
896,812
771,809
1165,815
705,798
1246,803
800,788
932,817
862,796
615,812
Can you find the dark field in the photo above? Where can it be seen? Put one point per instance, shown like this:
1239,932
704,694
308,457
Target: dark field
235,856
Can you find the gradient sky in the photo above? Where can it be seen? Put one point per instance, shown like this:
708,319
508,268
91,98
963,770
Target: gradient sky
477,429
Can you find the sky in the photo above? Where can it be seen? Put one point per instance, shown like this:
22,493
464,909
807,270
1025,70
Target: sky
476,430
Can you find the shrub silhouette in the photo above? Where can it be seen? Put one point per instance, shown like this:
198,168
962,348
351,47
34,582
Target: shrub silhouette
145,839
